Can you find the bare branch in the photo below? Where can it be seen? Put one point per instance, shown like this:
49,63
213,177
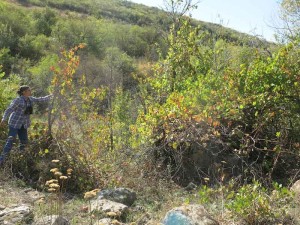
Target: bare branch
179,8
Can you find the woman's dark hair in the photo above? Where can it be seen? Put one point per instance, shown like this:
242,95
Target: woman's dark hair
22,89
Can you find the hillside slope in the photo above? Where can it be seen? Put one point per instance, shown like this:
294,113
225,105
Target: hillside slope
121,11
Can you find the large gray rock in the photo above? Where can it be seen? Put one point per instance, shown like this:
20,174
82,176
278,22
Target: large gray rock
121,195
52,220
189,215
21,214
104,205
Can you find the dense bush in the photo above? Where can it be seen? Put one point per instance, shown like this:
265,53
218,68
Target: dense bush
251,203
251,109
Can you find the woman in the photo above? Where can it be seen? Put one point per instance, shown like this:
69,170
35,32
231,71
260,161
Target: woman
18,116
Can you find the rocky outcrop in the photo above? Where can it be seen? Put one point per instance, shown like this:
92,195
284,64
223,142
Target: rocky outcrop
108,206
111,204
121,195
21,214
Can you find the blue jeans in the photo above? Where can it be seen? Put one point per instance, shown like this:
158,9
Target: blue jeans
12,133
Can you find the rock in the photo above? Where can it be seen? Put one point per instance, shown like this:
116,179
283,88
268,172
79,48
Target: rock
16,215
296,209
121,195
28,190
296,188
189,215
191,186
61,221
105,221
105,205
34,195
177,218
52,220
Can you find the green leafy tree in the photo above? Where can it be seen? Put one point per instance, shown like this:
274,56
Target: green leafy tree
45,21
75,31
290,17
6,60
116,64
33,47
41,76
8,89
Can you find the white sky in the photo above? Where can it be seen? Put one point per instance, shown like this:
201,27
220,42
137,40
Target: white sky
255,17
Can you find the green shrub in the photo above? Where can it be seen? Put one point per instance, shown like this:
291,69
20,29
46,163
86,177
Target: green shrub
254,203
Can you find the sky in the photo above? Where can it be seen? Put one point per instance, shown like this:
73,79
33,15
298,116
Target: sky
255,17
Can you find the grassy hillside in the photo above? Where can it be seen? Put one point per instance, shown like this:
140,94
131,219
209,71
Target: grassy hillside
131,13
32,30
134,14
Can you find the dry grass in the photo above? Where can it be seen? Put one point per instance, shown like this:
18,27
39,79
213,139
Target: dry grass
12,191
15,192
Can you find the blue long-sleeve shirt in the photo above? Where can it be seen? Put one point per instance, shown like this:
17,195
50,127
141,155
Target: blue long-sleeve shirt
15,113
